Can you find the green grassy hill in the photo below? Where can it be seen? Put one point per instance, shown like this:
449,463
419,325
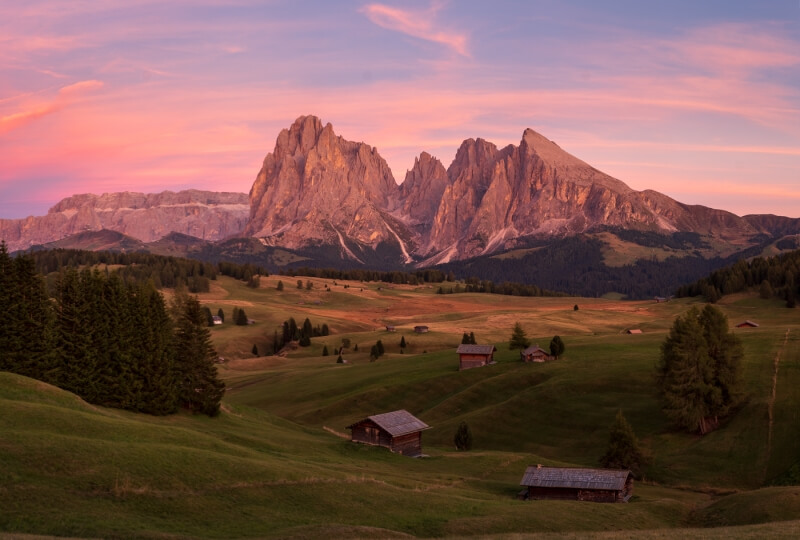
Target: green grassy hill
272,464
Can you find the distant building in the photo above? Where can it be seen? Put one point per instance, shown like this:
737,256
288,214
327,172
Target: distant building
399,431
747,324
576,484
471,356
633,331
421,329
390,328
534,353
217,319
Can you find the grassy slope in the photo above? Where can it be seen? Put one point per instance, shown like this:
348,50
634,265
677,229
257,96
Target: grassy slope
268,467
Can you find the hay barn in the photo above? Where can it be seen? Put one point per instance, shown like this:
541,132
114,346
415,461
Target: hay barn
399,431
576,484
471,356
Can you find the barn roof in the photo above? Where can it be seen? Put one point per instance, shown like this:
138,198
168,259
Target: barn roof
567,477
476,349
397,423
533,348
747,323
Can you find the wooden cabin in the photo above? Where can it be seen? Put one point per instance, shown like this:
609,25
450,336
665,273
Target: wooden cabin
399,431
534,353
421,329
472,356
390,328
747,324
577,484
633,331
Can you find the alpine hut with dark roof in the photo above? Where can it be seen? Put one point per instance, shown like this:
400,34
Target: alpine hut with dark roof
598,485
471,356
399,431
534,353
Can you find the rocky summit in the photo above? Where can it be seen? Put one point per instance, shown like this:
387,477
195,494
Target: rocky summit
316,188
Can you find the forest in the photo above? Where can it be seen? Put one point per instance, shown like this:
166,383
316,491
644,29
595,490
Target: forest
112,342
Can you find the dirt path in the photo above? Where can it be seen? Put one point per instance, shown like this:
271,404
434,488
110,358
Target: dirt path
773,396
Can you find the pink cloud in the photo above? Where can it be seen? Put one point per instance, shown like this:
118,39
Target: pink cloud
418,24
65,96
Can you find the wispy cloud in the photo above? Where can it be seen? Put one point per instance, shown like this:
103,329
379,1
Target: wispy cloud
66,95
420,24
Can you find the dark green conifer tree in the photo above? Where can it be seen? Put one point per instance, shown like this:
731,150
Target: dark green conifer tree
200,390
379,347
241,318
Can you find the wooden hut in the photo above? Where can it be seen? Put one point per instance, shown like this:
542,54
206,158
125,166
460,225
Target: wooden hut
633,331
576,484
421,329
471,356
534,353
399,431
747,324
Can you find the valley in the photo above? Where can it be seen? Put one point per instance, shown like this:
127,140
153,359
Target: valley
273,464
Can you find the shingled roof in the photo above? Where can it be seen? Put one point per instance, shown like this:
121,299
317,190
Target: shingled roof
567,477
476,349
398,423
533,348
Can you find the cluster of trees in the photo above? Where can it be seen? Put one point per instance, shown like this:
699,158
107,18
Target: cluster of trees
469,339
377,350
290,331
699,370
775,277
430,275
624,450
240,317
163,271
109,341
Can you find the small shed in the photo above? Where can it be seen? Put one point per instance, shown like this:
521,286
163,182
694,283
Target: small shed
577,484
747,324
399,431
633,331
534,353
471,356
217,319
421,329
390,328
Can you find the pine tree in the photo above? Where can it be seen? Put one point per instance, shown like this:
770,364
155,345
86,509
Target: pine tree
519,339
556,346
465,338
472,339
200,390
623,450
463,437
221,314
379,348
373,352
402,342
325,350
254,350
699,368
208,315
241,318
280,285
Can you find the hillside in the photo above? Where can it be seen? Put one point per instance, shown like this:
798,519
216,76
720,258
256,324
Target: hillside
272,461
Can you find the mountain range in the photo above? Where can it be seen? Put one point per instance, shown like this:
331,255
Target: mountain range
320,198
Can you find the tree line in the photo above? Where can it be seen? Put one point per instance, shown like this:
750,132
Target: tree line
112,342
775,277
139,267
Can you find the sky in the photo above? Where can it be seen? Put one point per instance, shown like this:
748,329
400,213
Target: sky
697,100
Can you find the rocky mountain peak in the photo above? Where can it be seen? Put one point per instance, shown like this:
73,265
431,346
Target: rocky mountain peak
317,188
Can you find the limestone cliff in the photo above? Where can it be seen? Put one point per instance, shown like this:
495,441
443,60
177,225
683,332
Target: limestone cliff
146,217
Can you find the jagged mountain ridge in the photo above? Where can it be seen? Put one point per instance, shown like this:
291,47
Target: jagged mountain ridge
206,215
316,188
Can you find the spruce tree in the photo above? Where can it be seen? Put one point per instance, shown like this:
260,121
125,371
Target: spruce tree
465,338
325,350
463,437
402,342
623,450
556,346
519,339
254,350
280,285
472,339
200,390
379,348
208,315
221,314
698,371
241,318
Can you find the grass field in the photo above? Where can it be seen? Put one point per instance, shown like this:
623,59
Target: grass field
274,464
